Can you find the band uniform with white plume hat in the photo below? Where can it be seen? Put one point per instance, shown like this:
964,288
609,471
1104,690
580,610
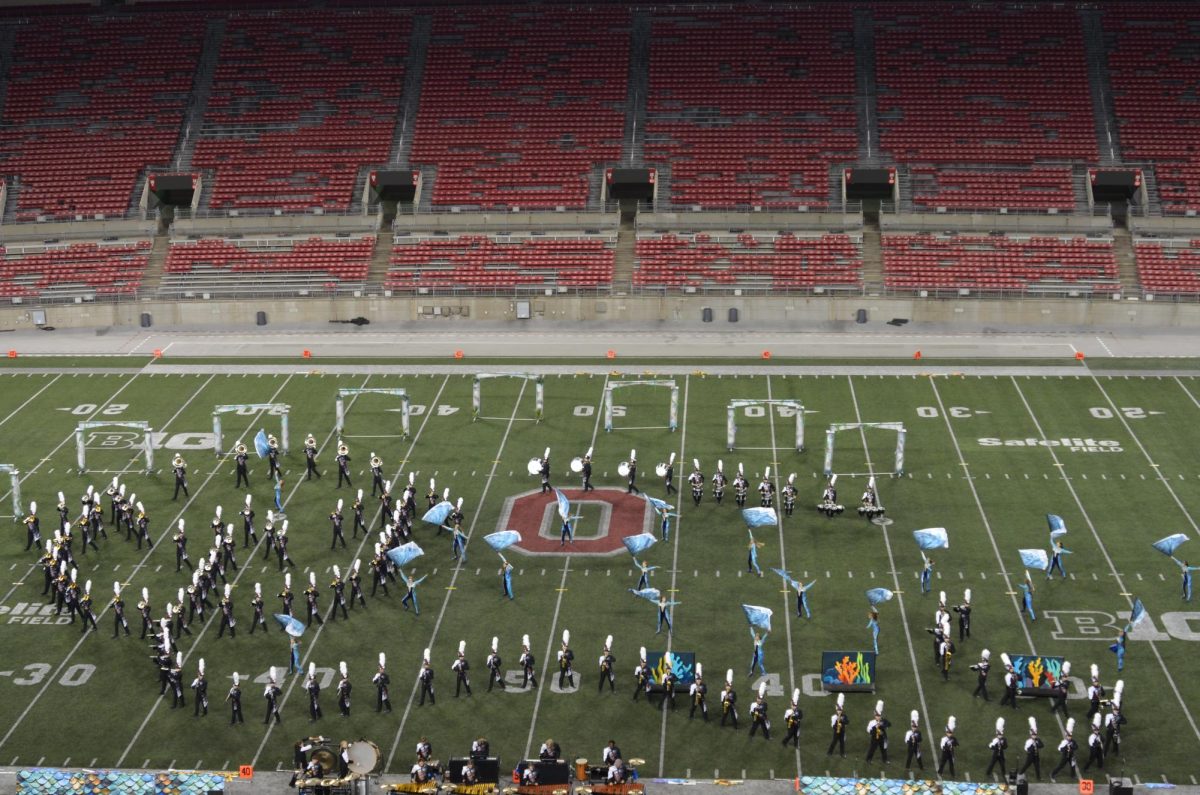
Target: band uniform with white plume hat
628,470
740,486
425,677
964,616
1062,689
947,747
234,697
259,619
912,741
1011,682
758,713
343,464
200,691
667,473
696,481
228,621
838,723
566,659
313,687
179,468
461,666
789,495
981,669
792,717
241,455
997,745
336,518
719,481
381,680
494,665
1068,750
877,734
118,605
698,694
273,471
310,458
271,693
528,663
766,489
1114,720
344,689
1095,744
607,664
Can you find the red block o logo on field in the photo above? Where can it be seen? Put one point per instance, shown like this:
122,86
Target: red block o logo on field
535,516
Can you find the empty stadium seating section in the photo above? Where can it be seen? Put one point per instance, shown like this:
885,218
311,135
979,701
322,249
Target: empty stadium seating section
520,106
774,262
1154,67
267,264
91,101
751,106
1037,189
1168,266
299,103
500,262
79,269
999,262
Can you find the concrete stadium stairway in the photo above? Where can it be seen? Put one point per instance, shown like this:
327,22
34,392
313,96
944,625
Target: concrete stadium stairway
152,280
1126,262
872,252
380,260
625,255
1108,139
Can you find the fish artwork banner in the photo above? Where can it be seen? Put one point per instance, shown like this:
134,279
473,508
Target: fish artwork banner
683,663
1036,674
848,671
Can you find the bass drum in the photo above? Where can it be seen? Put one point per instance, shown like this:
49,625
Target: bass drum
364,757
576,465
326,755
534,466
623,469
661,470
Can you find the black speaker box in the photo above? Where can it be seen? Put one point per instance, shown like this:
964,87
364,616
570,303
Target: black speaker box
1120,786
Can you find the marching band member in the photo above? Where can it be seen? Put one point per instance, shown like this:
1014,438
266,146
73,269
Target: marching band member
343,690
33,529
528,674
696,480
550,750
1095,692
227,619
877,733
259,619
948,746
789,495
339,595
766,490
495,676
269,536
632,489
997,746
343,463
381,682
281,545
757,657
607,664
792,717
234,697
829,504
385,505
310,458
758,713
699,694
669,678
1011,680
480,749
431,497
912,741
1067,750
144,608
356,591
1062,689
286,595
740,487
377,481
1095,745
926,574
641,675
311,596
460,667
458,542
85,608
645,569
240,456
506,574
200,691
873,625
718,482
566,673
425,677
869,505
1027,597
357,507
1033,750
118,605
248,524
175,682
669,476
587,472
181,554
273,471
294,663
411,595
335,519
179,468
1113,721
313,687
544,471
729,700
946,650
1056,553
838,722
981,671
271,693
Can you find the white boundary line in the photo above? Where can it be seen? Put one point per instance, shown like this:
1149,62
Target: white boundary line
457,570
84,636
29,400
358,551
896,579
1096,535
537,701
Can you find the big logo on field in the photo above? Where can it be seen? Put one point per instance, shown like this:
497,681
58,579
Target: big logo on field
598,532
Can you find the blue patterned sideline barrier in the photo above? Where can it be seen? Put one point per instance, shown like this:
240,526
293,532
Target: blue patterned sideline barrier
52,781
822,785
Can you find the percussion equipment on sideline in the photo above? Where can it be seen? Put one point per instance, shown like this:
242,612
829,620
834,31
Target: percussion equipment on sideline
581,769
534,466
660,470
364,757
327,755
577,465
623,469
635,762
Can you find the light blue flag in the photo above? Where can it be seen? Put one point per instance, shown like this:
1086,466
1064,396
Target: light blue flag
1138,614
759,517
438,513
649,594
1168,545
261,445
877,595
1058,527
502,540
564,506
758,616
932,538
787,578
659,505
1035,559
639,543
405,554
291,625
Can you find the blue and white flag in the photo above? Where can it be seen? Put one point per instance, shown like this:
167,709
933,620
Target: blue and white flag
1137,615
1168,545
502,540
639,543
758,616
564,506
932,538
659,505
649,594
438,513
405,554
877,595
291,625
1058,527
759,517
787,578
261,445
1035,559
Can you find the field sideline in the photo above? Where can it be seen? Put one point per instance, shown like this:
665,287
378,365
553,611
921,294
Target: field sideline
1121,475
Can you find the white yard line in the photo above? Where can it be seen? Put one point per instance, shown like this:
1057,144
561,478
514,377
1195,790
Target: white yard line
83,637
1096,535
366,537
562,585
662,741
457,570
30,399
787,612
912,655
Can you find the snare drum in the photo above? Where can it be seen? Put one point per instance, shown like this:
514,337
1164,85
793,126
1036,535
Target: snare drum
363,757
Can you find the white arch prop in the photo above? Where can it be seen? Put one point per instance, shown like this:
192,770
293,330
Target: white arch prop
539,388
898,427
144,427
342,394
739,403
673,419
15,476
281,409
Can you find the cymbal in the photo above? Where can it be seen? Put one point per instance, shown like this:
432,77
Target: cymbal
635,762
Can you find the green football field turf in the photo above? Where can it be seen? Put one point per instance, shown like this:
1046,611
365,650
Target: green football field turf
69,699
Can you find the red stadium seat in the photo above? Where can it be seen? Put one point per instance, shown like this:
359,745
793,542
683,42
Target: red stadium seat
492,262
783,262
